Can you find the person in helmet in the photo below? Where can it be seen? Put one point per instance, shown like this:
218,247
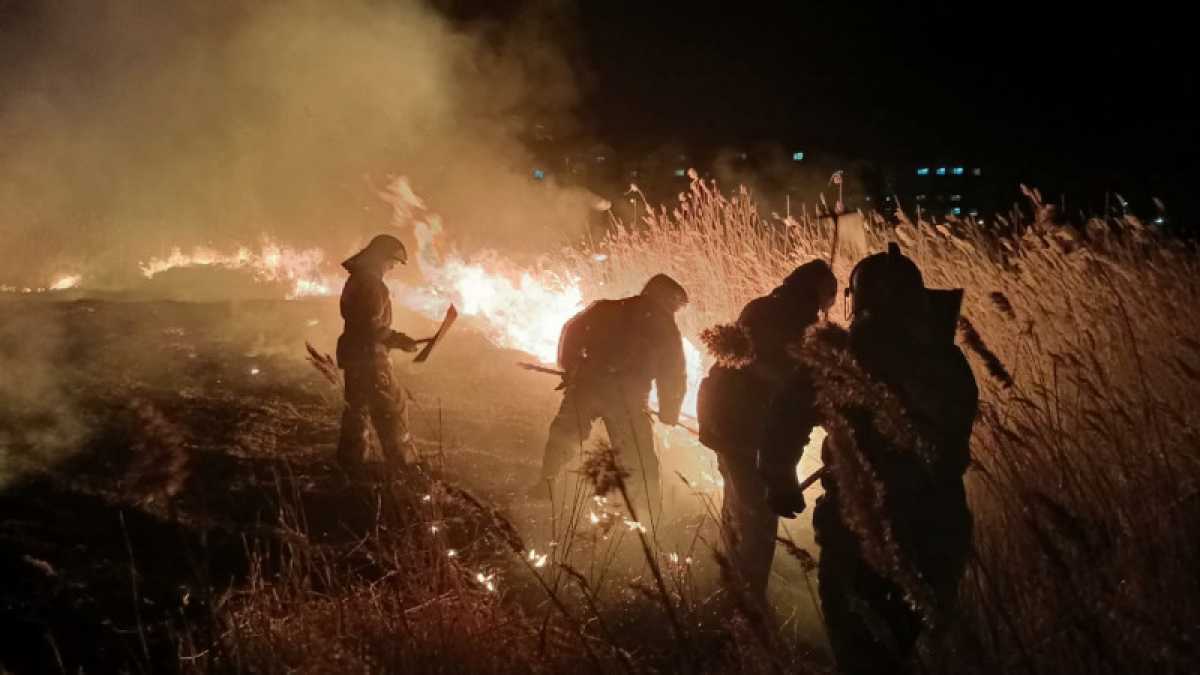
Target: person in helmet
898,400
734,401
372,397
611,353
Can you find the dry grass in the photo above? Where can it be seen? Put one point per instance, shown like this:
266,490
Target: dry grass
441,582
1085,477
1084,483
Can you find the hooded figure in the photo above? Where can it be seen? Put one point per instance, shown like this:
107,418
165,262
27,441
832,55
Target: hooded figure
735,397
898,400
372,398
611,353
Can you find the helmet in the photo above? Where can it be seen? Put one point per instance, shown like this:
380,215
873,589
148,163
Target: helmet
884,281
812,280
666,291
387,247
383,247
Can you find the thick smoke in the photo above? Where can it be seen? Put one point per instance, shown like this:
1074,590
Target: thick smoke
128,127
39,421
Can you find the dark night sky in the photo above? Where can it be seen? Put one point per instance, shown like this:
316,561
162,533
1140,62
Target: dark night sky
1106,91
899,79
1105,95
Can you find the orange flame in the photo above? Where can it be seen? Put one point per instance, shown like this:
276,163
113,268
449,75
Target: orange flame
302,269
59,282
516,307
63,282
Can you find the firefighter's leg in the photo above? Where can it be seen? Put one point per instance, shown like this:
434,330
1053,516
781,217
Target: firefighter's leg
353,439
632,435
748,524
389,413
568,432
869,626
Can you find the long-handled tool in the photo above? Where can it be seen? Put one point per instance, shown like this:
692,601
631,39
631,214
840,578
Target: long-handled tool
430,343
542,369
812,478
562,373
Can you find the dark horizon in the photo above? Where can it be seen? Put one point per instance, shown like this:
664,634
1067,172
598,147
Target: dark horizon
1097,100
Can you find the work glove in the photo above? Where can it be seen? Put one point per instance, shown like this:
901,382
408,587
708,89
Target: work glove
786,498
567,380
398,340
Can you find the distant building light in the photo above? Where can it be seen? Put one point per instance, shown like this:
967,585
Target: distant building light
974,213
956,211
958,171
796,157
920,198
1159,220
923,171
538,174
680,173
977,172
941,171
956,198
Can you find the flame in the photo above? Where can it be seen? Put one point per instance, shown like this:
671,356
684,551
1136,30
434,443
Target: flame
302,269
519,308
60,282
63,282
516,307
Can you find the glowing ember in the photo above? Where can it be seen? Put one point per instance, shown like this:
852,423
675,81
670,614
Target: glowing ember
487,581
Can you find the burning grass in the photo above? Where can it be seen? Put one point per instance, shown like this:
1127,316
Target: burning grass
1086,478
1084,484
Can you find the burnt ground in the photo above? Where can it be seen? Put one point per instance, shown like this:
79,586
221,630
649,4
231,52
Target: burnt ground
179,432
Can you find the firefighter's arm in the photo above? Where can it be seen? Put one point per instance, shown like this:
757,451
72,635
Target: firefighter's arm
571,342
398,340
671,378
378,305
789,424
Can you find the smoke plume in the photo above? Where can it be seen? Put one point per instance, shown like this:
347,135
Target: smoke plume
131,126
